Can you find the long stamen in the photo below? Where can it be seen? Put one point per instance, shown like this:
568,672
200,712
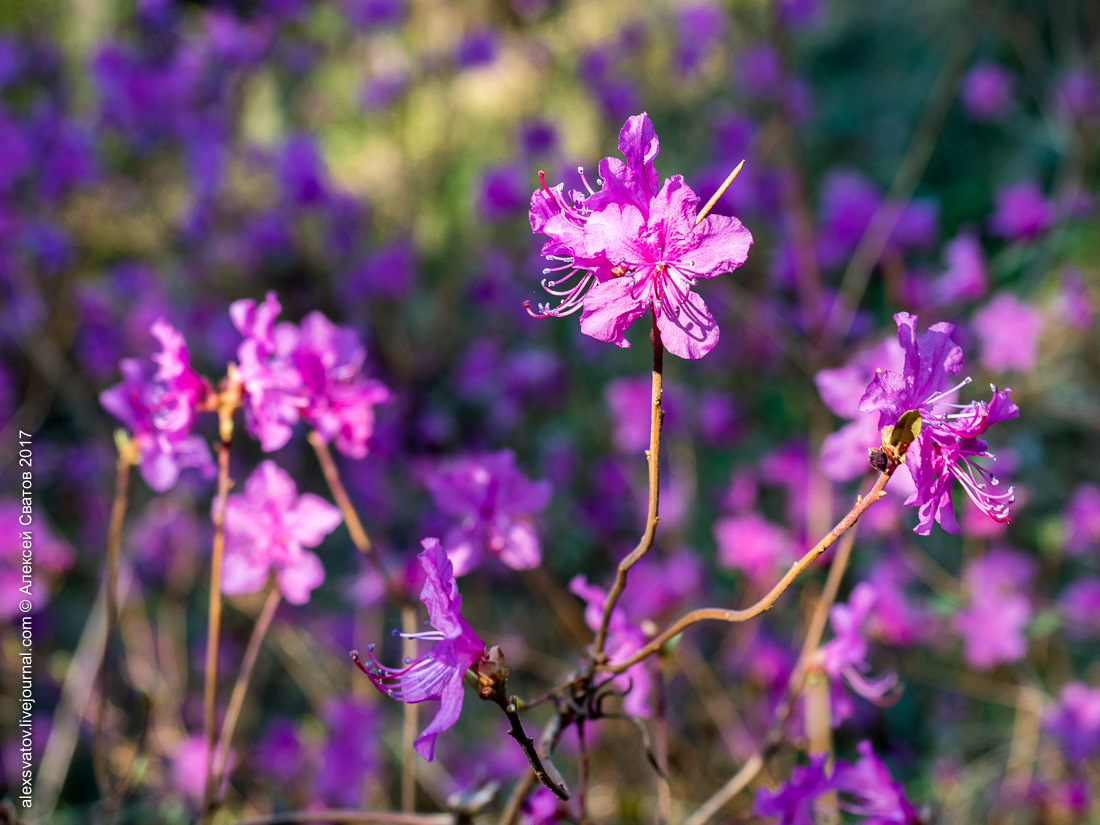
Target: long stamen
935,398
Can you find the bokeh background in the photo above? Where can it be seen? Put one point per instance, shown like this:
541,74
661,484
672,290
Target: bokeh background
374,160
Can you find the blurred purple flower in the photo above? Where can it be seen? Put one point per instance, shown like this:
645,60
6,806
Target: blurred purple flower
268,528
987,92
312,371
846,655
1008,332
350,754
158,408
630,408
624,639
271,384
965,278
438,674
279,753
948,440
1022,212
494,502
759,70
752,544
700,26
992,624
870,792
477,47
1079,604
848,202
303,179
501,192
373,14
1075,721
383,90
793,802
537,137
188,766
1082,520
388,272
1074,304
1077,97
339,400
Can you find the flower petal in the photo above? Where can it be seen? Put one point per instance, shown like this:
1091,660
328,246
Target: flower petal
609,309
691,332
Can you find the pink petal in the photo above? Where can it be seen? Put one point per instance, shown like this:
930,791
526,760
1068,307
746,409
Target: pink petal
609,310
688,334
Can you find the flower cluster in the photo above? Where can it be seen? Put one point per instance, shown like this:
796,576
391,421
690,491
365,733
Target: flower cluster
633,246
313,371
158,406
948,442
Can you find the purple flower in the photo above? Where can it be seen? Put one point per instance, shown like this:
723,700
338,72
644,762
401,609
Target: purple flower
158,407
478,47
965,278
438,674
339,400
948,441
641,247
794,801
846,655
494,502
1082,519
1022,212
1075,721
272,387
1079,604
52,558
869,791
313,371
269,527
348,756
754,545
987,92
1008,330
992,624
501,192
188,769
1078,97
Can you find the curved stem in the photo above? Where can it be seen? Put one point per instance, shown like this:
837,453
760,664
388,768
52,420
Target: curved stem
236,699
738,782
653,455
410,719
726,615
214,617
359,535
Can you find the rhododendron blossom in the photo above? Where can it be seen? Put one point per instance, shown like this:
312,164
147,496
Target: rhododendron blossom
312,371
948,441
642,248
437,674
269,527
158,408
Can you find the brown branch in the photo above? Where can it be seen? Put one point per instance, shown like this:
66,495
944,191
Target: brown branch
240,687
359,535
653,456
726,615
214,616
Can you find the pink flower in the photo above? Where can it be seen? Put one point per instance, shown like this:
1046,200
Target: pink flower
948,441
269,527
494,502
1008,330
992,624
753,545
642,247
438,674
1022,212
846,655
987,91
312,371
159,407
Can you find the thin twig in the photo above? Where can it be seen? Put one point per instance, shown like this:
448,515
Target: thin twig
738,782
661,737
351,817
726,615
214,617
240,687
127,457
547,741
359,535
653,456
